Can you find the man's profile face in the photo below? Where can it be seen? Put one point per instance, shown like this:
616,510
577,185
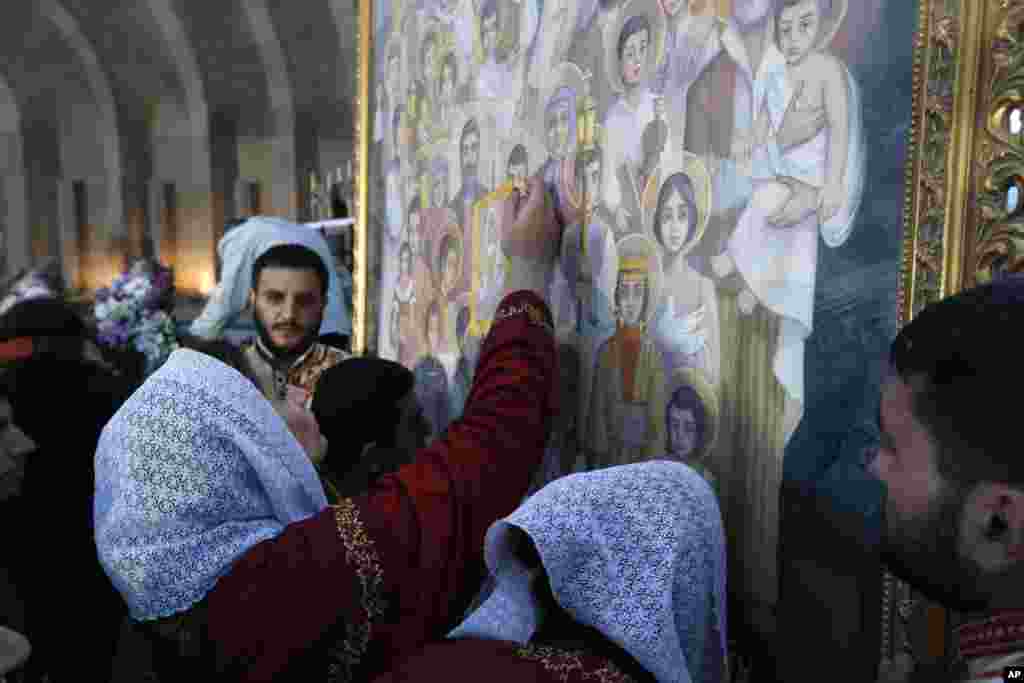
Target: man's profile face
289,304
923,513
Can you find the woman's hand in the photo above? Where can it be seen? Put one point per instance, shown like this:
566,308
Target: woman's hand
531,237
304,427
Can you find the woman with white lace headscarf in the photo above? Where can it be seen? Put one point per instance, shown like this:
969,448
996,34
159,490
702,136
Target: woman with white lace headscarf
610,575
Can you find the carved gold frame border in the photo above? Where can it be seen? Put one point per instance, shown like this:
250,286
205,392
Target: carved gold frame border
957,232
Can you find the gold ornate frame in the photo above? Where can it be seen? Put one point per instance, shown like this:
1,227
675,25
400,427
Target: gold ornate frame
958,231
968,78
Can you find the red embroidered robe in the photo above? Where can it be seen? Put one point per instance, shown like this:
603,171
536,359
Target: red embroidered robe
340,596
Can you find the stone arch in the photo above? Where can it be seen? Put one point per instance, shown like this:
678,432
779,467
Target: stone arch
180,134
99,86
15,251
283,187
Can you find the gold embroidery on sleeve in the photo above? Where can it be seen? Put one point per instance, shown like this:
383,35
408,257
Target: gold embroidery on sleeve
562,663
345,656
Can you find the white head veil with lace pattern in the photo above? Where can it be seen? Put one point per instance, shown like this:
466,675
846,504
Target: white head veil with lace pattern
193,470
636,552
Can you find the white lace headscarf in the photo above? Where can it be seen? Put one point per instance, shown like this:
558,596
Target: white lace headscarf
193,470
636,552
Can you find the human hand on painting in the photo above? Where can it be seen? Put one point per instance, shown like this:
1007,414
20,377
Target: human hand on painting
531,237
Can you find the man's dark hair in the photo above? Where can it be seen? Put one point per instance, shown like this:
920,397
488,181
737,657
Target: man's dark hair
291,257
961,358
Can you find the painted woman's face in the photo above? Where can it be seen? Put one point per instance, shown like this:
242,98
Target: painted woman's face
675,222
634,57
558,129
682,431
631,300
798,29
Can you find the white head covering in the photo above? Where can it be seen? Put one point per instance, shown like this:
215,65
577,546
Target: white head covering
636,552
193,470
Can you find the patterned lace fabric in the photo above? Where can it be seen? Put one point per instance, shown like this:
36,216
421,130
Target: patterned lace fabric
193,470
636,552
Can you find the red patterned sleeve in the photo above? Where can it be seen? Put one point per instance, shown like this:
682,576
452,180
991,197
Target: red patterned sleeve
383,573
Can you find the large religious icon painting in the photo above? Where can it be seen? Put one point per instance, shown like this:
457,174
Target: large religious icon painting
712,160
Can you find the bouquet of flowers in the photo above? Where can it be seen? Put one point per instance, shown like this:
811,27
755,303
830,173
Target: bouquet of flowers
133,313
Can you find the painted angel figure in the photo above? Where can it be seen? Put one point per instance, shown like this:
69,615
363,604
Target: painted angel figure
686,325
630,60
691,422
626,419
778,262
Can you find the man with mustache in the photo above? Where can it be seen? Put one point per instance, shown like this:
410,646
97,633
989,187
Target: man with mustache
237,252
469,159
948,456
289,290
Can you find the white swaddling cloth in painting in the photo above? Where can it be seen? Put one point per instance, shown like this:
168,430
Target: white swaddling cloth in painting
779,264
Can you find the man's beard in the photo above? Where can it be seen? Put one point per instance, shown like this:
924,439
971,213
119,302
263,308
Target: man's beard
278,352
750,12
925,553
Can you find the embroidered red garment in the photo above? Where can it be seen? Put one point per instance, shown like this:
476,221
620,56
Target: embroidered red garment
999,633
502,662
339,596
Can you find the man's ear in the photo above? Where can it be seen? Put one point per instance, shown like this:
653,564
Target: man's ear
251,301
992,526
